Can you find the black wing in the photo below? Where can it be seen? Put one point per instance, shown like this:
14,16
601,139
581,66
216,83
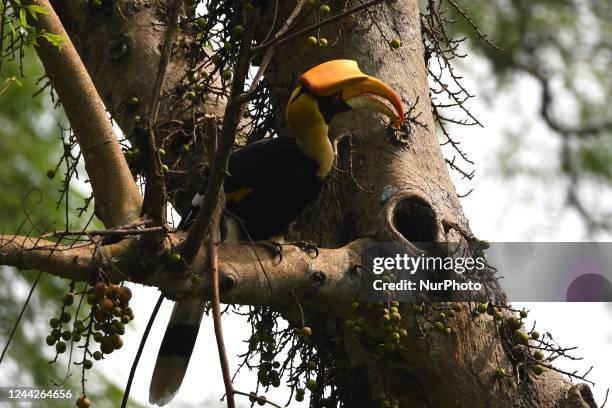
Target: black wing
269,184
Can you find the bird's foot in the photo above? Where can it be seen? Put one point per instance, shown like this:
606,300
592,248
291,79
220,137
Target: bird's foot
274,247
307,246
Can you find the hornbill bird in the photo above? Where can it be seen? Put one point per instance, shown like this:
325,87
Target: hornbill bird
270,182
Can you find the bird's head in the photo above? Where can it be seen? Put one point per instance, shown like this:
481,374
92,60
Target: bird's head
326,90
334,87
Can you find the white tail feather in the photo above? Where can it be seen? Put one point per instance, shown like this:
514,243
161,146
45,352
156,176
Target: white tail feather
175,351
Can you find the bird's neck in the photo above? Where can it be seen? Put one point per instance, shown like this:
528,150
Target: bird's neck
310,130
316,146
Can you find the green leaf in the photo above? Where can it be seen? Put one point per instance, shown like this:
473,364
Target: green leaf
22,17
36,9
54,39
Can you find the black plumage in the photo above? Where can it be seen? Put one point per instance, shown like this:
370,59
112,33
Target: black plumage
279,182
269,183
179,340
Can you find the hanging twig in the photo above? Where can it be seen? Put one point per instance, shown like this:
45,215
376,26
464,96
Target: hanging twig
231,118
23,309
298,304
213,251
606,400
214,240
143,341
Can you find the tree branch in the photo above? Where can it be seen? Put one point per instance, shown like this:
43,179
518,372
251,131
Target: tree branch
245,97
328,282
285,38
155,195
118,200
213,249
231,119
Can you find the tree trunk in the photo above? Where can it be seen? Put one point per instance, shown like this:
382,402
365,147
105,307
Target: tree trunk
399,190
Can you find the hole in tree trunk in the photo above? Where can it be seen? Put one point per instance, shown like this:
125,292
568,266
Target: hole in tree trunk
415,220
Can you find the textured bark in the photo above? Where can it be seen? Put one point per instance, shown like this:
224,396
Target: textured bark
412,167
399,190
120,44
327,282
117,198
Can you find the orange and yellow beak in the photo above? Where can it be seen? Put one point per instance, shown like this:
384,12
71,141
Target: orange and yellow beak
356,89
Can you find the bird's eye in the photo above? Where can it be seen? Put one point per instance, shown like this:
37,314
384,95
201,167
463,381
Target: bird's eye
335,98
